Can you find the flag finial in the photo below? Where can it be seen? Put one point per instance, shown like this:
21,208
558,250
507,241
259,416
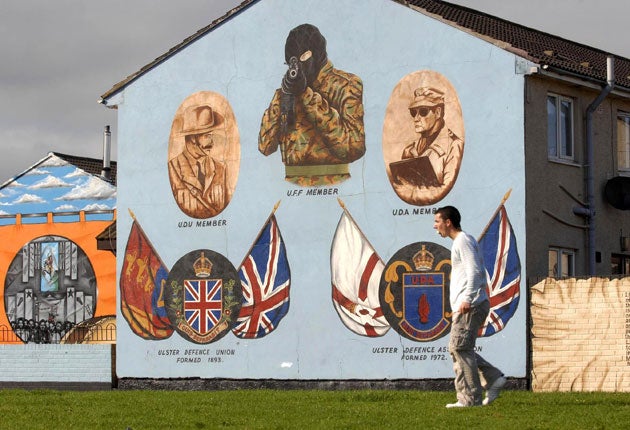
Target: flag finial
506,196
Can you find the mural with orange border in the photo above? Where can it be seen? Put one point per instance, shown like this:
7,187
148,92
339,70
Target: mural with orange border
52,277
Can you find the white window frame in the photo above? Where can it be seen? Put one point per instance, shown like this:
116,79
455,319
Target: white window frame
623,141
562,147
564,261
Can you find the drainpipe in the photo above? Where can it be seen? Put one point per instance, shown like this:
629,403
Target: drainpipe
107,149
589,211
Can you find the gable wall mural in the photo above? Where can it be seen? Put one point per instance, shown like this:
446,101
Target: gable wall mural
277,185
53,277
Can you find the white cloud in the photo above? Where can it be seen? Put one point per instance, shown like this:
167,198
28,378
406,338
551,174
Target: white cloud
29,198
66,208
8,192
38,172
96,207
49,182
4,213
15,184
54,161
77,173
94,189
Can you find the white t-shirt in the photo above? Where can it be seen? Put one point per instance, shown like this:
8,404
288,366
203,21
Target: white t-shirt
468,273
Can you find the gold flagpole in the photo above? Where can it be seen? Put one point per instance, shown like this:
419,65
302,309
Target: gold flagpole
343,206
503,200
273,211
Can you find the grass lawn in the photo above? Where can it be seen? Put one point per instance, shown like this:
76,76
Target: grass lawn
298,409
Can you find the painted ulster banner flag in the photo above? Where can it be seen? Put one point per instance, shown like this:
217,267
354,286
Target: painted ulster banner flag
503,270
356,272
142,280
265,281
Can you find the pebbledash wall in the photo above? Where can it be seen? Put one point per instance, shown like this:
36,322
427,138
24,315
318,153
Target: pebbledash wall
327,269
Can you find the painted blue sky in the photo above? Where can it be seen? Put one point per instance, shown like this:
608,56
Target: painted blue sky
54,185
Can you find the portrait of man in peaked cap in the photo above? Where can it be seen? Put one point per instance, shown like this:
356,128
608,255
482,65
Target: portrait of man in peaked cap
423,138
315,118
203,155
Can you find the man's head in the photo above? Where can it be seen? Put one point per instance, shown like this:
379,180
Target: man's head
307,44
427,109
447,221
203,127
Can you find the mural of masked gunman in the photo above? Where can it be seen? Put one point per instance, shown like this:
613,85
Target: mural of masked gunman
316,117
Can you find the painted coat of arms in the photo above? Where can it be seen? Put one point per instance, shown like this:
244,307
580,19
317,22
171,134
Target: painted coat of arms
414,291
203,296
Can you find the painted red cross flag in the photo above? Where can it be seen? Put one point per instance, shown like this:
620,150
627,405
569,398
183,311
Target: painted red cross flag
356,271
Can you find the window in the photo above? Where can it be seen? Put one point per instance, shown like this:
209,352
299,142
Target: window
561,262
620,264
559,127
623,141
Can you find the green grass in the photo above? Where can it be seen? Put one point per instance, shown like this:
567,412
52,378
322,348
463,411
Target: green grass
309,409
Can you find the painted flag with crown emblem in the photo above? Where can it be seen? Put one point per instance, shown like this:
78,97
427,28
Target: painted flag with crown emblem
142,280
503,271
356,272
265,281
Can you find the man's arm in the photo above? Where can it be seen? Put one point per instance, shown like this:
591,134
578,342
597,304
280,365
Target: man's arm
339,120
269,135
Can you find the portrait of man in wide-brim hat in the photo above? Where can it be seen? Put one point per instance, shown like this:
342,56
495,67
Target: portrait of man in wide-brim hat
198,173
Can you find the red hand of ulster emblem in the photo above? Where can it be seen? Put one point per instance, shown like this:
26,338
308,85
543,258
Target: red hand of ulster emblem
423,309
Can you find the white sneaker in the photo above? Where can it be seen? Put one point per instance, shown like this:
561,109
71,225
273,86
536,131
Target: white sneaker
456,405
494,390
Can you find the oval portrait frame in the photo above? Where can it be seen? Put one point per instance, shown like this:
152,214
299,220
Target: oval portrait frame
215,113
399,133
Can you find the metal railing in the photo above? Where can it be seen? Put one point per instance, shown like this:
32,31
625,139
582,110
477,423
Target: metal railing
82,333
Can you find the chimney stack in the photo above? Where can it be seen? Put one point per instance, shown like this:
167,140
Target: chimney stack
107,149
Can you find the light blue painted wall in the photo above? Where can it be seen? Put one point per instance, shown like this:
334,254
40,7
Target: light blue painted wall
381,42
56,363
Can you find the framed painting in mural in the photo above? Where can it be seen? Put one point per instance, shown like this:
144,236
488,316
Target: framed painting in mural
423,137
50,287
203,155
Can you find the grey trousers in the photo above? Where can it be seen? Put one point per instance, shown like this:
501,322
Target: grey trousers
472,372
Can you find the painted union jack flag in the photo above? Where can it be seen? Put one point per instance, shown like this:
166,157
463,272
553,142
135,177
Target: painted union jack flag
503,270
265,281
203,303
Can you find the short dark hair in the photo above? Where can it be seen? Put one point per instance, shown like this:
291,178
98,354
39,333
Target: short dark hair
451,212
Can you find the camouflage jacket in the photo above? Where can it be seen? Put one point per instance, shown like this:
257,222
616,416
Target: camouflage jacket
327,133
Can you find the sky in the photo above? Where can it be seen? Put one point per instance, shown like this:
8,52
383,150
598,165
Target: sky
57,58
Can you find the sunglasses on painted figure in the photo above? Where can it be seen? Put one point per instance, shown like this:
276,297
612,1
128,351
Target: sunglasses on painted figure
420,110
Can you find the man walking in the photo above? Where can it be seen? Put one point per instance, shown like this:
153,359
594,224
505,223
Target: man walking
470,307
